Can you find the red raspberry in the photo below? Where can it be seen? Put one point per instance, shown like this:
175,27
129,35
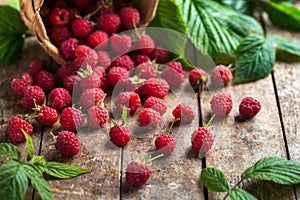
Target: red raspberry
129,99
160,55
109,23
156,87
173,74
124,62
145,71
69,82
48,116
19,84
81,5
104,59
59,17
89,79
149,117
67,48
97,116
120,135
30,93
45,80
86,55
145,44
120,43
35,67
67,144
165,143
221,104
141,58
156,104
15,125
66,70
73,13
82,27
71,119
60,98
184,112
249,107
97,39
197,75
221,76
99,70
60,34
137,174
115,74
202,140
130,17
92,97
26,77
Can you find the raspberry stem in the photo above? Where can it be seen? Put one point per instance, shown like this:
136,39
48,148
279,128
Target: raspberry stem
53,137
154,158
173,122
209,122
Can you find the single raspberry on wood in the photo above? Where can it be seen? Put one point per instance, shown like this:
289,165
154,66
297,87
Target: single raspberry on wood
60,98
71,119
156,87
197,76
97,39
156,104
15,126
35,67
97,116
59,17
160,55
91,97
184,112
149,117
130,100
82,27
19,84
145,44
120,43
166,142
202,140
45,80
221,76
249,107
68,47
123,61
221,104
31,93
115,74
47,116
67,144
120,135
109,23
173,74
130,17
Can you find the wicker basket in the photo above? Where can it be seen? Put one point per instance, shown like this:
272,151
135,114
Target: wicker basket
30,13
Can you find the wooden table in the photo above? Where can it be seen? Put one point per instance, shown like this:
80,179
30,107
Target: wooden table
273,132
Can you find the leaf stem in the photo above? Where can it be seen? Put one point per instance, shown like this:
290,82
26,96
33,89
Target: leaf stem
235,186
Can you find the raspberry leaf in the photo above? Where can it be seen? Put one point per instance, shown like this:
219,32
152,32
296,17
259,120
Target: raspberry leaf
240,194
60,170
9,151
242,6
214,180
30,148
39,163
274,169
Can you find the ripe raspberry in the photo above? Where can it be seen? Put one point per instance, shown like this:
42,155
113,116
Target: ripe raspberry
97,116
66,70
85,55
103,59
60,34
202,140
71,119
141,58
137,174
124,62
60,98
120,135
156,87
15,125
69,82
165,143
221,76
197,75
120,43
184,112
249,107
30,93
67,48
221,104
26,77
67,143
73,13
35,67
173,74
19,84
130,17
145,44
99,70
145,71
115,74
48,116
109,23
45,80
156,104
160,55
89,79
97,39
92,97
149,117
82,27
59,17
129,99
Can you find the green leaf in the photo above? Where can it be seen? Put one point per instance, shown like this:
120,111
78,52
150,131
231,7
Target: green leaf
274,169
255,59
240,194
284,15
242,6
214,180
39,163
9,151
14,4
13,181
38,182
30,148
285,45
60,170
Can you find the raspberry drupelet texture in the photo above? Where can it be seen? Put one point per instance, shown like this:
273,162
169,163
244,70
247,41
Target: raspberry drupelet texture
120,135
184,112
137,174
221,104
67,144
202,140
129,99
149,117
130,17
109,23
156,87
221,76
156,104
249,107
71,119
15,126
31,93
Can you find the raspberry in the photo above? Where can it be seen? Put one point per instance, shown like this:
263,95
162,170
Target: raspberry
66,70
26,77
89,79
141,58
124,62
129,99
86,55
35,67
19,84
156,104
184,112
160,55
120,43
109,23
115,74
59,17
60,34
82,27
15,125
48,116
149,117
30,93
67,144
73,13
60,98
221,104
99,70
92,97
221,76
197,75
145,71
249,107
137,174
202,140
69,82
97,39
165,143
173,74
97,116
130,17
156,87
103,59
120,135
45,80
145,44
71,119
67,48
